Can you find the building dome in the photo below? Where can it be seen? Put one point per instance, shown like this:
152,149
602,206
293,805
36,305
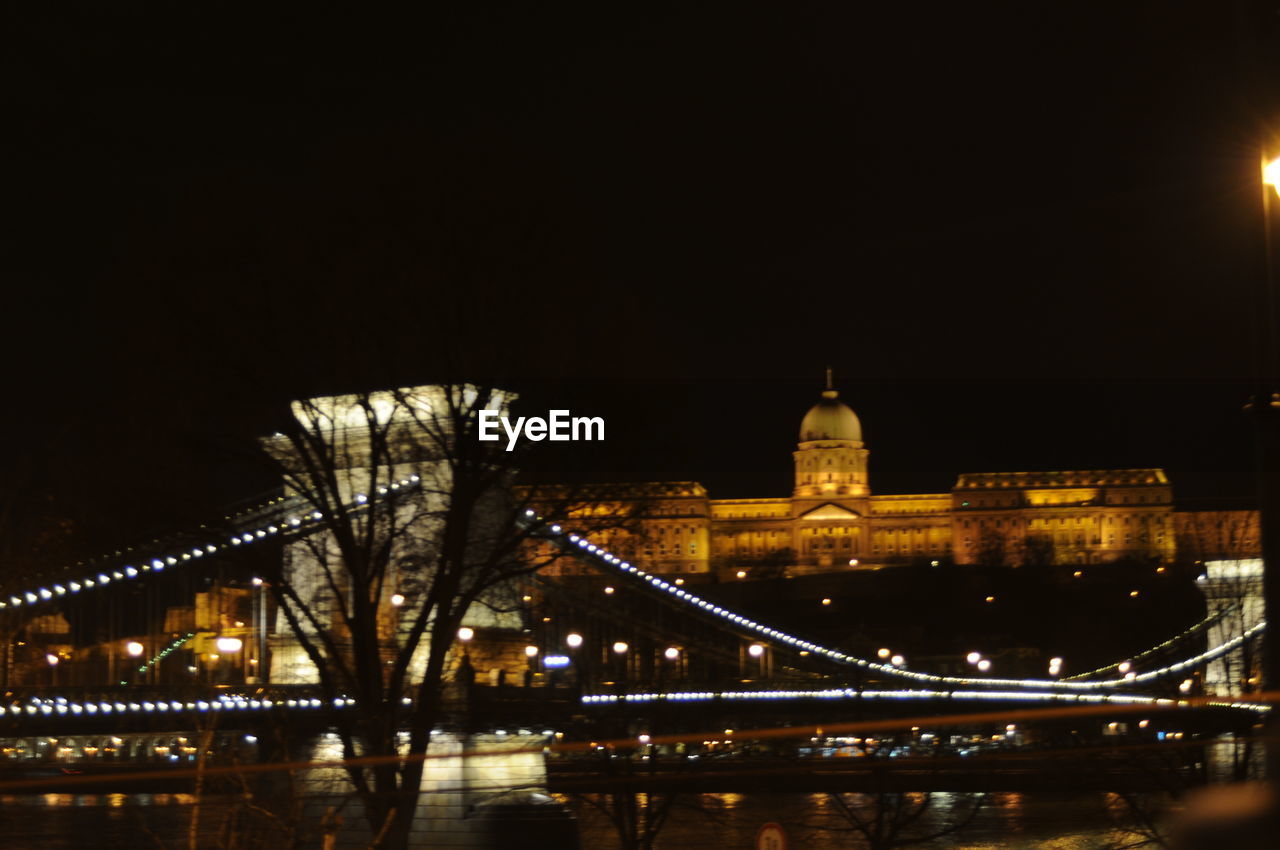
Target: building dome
830,419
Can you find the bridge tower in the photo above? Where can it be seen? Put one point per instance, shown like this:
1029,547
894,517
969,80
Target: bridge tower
478,767
1233,590
344,421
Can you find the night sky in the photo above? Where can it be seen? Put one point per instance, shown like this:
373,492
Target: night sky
1025,236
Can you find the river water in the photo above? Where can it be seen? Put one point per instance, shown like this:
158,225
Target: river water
1013,821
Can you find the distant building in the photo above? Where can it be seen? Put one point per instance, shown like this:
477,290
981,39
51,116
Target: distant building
832,520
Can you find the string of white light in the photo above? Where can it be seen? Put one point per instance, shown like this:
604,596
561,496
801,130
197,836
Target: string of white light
303,523
828,694
584,548
1137,658
47,706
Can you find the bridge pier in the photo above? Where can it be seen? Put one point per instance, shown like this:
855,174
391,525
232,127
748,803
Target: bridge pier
1233,590
467,780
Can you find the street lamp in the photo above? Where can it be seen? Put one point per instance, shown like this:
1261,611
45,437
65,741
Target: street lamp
1265,409
466,633
573,640
229,644
134,648
1271,174
755,650
620,647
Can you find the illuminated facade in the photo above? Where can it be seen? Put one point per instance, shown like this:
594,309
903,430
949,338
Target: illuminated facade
832,520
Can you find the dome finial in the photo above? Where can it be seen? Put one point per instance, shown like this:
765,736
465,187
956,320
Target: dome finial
830,391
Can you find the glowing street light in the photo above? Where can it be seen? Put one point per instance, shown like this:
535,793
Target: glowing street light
397,599
134,648
897,661
1271,174
466,633
620,647
984,665
1125,666
755,650
671,653
573,640
884,652
52,659
973,657
229,644
742,573
1185,686
531,651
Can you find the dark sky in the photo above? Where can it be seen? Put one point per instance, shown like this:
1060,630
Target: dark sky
1024,235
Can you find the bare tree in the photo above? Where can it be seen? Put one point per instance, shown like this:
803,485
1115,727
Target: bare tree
1216,535
638,807
420,521
1038,550
992,548
884,820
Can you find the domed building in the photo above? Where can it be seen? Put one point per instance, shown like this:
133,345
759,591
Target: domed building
832,520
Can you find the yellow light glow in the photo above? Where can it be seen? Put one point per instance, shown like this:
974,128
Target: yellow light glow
466,633
1271,173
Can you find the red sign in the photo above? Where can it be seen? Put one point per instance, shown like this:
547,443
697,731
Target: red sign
771,837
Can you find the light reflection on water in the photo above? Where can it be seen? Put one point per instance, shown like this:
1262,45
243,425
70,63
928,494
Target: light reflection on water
59,801
1007,821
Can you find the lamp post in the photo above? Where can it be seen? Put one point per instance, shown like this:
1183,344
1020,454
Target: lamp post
1264,410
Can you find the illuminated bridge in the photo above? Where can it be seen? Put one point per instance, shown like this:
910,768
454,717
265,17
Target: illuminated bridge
671,659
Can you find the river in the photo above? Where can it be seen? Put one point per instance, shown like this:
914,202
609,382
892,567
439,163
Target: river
1006,821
